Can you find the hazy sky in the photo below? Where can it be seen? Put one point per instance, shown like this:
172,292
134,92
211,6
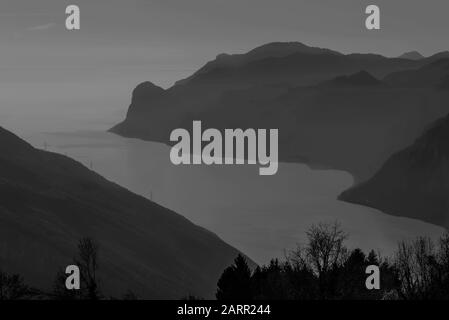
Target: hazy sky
122,43
184,34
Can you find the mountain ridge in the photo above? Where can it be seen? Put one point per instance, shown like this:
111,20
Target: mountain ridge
269,50
431,75
413,182
412,55
361,78
292,93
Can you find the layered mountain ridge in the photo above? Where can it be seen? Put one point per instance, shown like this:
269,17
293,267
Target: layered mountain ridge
342,111
313,96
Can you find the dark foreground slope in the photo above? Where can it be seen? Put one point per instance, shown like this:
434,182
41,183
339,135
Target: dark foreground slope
48,202
413,182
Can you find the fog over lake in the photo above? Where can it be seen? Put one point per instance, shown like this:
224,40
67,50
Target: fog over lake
261,215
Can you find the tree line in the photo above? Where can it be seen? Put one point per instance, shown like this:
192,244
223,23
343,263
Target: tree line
325,269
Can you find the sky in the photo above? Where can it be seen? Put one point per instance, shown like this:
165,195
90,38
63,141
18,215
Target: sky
179,36
122,43
184,34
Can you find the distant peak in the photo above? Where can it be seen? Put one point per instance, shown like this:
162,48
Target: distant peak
281,45
147,90
223,56
361,78
412,55
147,85
280,49
266,51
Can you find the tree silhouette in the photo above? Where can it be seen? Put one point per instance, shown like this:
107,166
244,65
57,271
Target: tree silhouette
324,253
235,282
59,290
423,269
324,268
12,287
351,282
271,282
87,261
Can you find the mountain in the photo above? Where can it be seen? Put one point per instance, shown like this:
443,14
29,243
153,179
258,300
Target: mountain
144,94
414,182
412,55
361,78
341,124
48,202
283,49
432,75
270,50
298,68
444,84
352,123
273,67
439,56
333,110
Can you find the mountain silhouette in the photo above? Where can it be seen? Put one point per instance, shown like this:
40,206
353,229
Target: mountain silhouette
48,202
414,182
412,55
298,68
431,75
361,78
438,56
269,69
270,50
331,109
143,95
282,49
352,123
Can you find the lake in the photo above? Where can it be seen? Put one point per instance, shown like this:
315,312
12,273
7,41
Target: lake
263,216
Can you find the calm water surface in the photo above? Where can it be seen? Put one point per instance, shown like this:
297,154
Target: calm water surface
261,215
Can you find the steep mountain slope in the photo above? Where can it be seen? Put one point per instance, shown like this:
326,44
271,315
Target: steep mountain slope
48,202
413,182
